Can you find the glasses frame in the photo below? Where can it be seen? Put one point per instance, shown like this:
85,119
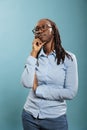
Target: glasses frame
40,28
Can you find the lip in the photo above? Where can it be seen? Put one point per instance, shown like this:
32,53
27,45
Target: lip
40,35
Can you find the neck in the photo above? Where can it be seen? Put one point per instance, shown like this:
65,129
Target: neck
48,47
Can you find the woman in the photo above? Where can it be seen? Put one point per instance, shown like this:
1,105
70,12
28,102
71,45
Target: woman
51,74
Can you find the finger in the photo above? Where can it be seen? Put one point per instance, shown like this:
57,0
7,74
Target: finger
42,43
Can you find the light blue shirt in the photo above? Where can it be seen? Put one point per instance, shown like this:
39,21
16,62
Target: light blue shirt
56,84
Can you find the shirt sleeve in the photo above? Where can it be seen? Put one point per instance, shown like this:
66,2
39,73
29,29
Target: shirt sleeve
70,87
28,73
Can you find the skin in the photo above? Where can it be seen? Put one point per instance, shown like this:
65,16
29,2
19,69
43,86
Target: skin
44,40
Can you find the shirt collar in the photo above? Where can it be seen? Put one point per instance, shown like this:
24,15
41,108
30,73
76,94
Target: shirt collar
43,54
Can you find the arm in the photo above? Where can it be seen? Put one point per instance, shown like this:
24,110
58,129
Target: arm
28,78
70,87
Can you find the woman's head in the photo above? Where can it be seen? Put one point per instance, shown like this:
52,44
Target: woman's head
43,30
47,27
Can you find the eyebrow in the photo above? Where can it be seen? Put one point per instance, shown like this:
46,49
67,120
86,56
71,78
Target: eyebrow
42,25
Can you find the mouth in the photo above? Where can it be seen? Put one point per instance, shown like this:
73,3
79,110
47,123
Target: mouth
40,36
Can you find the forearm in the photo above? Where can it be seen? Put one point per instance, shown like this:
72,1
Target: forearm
51,93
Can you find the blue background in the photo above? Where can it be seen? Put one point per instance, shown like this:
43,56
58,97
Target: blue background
17,19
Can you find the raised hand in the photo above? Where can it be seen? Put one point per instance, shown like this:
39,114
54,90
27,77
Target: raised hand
36,46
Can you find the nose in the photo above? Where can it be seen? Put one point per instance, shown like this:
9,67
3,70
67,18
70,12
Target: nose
38,34
40,31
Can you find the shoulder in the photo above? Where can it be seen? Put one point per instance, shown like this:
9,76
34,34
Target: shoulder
72,60
73,56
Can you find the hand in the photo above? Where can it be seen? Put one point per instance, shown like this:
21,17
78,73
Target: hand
36,46
35,84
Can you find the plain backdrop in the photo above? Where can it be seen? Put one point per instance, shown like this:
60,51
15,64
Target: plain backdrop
17,19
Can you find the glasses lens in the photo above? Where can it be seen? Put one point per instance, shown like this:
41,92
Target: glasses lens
43,28
35,30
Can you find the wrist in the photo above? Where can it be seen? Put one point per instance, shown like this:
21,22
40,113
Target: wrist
34,53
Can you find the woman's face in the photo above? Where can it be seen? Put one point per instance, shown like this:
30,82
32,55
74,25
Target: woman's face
44,31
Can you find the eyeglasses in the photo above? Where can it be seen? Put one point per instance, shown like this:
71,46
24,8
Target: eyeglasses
42,28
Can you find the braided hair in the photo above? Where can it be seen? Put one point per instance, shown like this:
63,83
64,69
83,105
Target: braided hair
60,51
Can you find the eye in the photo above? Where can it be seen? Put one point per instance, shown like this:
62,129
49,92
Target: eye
44,27
37,29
